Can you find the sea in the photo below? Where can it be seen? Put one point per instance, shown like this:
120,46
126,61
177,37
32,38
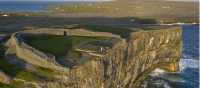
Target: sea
19,6
190,59
187,77
29,6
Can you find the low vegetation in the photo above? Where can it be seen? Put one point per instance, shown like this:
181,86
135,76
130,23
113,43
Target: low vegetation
123,32
59,45
170,11
5,86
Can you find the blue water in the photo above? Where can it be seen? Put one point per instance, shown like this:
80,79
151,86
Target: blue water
190,58
33,6
27,6
188,77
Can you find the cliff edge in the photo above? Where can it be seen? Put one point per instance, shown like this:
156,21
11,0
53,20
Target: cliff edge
129,62
125,63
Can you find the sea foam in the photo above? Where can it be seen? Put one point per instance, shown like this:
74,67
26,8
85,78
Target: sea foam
188,63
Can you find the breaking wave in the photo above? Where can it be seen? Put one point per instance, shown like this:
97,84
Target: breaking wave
188,63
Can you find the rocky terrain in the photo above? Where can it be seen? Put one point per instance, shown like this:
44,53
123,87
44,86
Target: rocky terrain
121,60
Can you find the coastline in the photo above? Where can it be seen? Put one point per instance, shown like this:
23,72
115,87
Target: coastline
17,21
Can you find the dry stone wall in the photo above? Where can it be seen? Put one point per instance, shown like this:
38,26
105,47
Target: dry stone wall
36,57
32,55
70,32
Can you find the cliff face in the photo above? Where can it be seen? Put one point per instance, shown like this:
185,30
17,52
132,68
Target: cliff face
129,62
125,64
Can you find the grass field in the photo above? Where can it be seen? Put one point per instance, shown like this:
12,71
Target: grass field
133,8
123,32
167,12
59,45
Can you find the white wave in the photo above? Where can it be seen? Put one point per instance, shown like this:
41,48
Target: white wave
185,56
157,72
166,85
185,62
188,63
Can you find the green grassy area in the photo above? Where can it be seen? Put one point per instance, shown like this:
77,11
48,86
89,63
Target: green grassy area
14,84
183,20
59,45
37,75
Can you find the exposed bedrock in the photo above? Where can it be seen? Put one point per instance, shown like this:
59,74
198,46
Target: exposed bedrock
129,62
125,64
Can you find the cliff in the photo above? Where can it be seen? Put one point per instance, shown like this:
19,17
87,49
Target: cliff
124,65
129,62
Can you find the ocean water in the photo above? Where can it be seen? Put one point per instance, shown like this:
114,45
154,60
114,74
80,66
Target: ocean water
28,6
190,59
188,77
